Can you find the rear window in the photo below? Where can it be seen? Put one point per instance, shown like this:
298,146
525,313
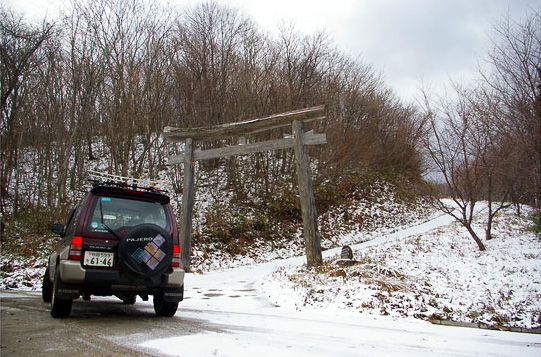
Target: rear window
119,213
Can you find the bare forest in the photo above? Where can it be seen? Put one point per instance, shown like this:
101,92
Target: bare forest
94,89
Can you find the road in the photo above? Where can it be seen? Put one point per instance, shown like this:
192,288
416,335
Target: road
102,327
226,314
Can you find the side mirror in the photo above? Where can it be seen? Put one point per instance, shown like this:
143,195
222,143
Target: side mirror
58,229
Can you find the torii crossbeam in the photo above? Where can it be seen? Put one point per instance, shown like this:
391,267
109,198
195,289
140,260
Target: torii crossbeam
298,141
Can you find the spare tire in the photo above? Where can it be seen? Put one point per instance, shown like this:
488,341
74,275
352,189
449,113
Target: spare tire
145,251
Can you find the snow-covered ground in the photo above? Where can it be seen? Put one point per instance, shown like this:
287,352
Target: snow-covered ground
430,271
266,309
378,307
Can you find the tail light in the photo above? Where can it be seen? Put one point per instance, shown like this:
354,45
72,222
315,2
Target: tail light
175,263
76,248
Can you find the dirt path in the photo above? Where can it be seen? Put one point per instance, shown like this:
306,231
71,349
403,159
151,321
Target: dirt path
101,327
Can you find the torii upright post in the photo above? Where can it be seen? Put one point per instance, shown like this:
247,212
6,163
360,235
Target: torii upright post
299,141
186,214
312,239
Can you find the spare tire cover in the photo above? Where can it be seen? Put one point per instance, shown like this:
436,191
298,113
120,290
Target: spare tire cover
145,250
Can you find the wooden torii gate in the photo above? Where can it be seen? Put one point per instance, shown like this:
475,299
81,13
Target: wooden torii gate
298,141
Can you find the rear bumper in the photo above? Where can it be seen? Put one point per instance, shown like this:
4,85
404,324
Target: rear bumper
71,272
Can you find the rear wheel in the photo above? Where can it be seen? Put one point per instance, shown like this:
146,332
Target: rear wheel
130,300
59,307
47,287
162,307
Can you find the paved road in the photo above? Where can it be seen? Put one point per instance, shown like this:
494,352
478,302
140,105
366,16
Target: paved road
103,327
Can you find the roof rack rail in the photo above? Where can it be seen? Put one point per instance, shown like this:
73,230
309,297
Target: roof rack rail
105,179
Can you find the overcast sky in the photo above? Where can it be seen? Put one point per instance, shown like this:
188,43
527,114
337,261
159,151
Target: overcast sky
409,41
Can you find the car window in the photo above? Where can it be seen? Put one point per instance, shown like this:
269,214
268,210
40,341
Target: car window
118,213
72,220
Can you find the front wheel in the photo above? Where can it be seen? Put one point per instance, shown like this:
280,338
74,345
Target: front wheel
59,307
162,307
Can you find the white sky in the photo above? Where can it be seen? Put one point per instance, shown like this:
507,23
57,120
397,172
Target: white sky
410,41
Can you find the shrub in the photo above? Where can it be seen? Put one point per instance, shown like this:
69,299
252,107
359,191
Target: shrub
536,218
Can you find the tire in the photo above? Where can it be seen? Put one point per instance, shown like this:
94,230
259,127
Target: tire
47,287
130,300
60,308
145,251
162,307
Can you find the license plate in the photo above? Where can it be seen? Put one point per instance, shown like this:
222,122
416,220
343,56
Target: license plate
98,259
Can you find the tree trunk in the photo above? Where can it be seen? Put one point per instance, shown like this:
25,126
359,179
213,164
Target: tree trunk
475,237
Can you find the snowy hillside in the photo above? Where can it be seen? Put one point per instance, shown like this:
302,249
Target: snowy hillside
434,274
280,308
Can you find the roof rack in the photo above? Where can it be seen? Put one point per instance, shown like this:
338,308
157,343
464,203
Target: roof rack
105,179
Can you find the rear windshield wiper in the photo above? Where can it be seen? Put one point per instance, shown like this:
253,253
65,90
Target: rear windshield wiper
105,225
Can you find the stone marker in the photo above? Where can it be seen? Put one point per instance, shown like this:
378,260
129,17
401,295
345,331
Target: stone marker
347,253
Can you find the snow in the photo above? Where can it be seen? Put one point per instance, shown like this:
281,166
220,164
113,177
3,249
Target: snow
267,303
378,307
323,335
261,310
431,273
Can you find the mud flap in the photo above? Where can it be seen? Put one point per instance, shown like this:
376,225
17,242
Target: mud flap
173,294
68,291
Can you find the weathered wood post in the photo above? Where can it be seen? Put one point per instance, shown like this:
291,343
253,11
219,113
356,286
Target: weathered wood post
299,141
188,193
312,239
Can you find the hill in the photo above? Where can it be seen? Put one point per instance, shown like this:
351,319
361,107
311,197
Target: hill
431,272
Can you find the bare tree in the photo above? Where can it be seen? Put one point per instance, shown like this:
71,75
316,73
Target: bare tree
208,41
450,148
19,43
496,156
515,82
119,71
20,58
487,142
130,43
